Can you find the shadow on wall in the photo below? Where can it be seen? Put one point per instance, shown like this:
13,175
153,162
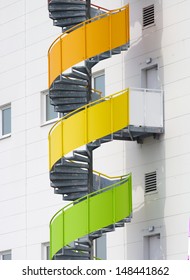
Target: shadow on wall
142,68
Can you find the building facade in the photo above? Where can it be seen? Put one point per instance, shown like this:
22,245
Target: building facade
156,59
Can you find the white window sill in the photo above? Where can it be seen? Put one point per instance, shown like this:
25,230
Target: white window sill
5,136
49,122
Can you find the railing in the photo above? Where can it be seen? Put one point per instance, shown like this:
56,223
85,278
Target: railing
146,107
87,124
88,39
88,214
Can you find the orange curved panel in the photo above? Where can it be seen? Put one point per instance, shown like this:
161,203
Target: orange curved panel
91,38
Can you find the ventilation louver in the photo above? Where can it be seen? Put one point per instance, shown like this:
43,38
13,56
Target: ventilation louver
150,182
148,15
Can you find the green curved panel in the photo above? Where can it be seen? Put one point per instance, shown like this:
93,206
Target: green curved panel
94,212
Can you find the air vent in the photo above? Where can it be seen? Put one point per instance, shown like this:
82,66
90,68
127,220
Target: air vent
148,16
150,182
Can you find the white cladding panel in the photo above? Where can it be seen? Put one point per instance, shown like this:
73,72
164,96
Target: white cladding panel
146,107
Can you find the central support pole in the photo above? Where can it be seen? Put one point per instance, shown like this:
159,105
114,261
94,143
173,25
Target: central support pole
90,177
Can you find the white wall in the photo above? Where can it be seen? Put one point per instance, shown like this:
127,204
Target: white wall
26,200
168,210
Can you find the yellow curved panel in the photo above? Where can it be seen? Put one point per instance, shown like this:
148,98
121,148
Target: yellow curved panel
56,143
95,36
94,121
76,126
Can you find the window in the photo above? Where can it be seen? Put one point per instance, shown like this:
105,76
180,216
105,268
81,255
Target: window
48,113
6,255
101,248
148,16
99,82
5,115
45,251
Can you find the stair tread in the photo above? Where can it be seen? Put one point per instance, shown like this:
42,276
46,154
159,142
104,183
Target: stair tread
68,101
77,157
80,69
72,190
77,75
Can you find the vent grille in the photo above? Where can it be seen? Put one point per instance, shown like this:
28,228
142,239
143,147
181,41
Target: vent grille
148,15
150,182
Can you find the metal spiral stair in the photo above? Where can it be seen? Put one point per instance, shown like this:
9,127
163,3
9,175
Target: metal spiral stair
71,176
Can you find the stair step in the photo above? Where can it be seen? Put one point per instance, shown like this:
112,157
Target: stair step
80,69
80,158
56,93
73,252
68,87
72,164
55,176
77,75
67,101
92,62
64,14
72,190
79,247
65,176
68,22
93,145
109,228
58,7
119,224
73,196
68,183
70,2
105,55
96,234
66,81
81,152
116,51
68,108
69,170
106,139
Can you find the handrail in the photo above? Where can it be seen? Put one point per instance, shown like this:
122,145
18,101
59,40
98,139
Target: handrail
100,8
98,91
110,177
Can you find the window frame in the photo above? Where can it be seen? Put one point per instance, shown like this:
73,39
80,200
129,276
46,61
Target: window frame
44,120
2,108
4,253
45,250
96,75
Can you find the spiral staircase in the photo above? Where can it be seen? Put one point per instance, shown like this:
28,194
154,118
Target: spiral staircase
90,35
